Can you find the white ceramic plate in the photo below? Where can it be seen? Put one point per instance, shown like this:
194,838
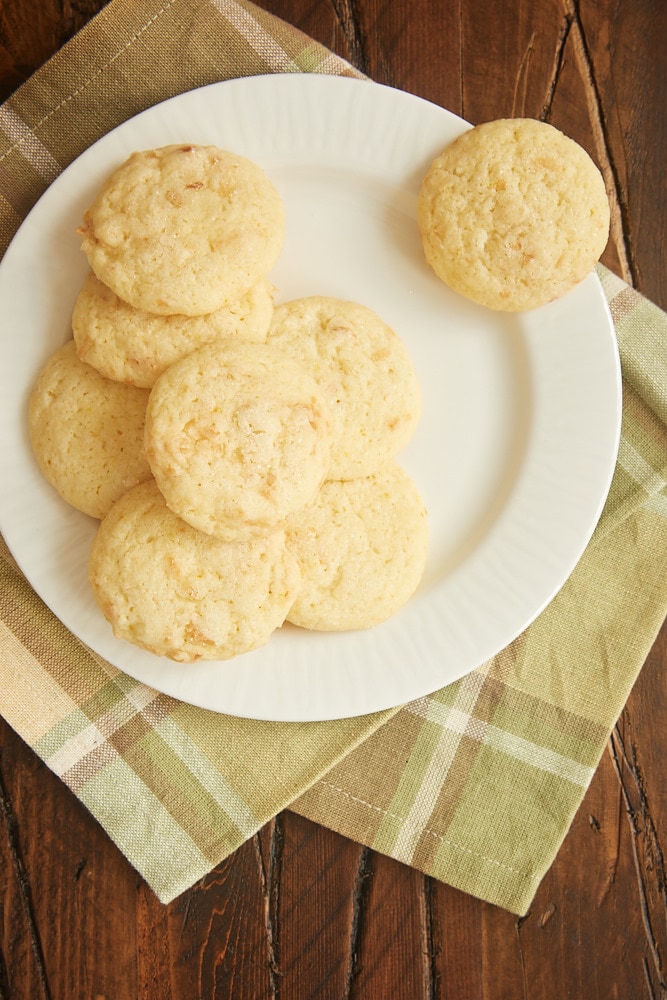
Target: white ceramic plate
514,453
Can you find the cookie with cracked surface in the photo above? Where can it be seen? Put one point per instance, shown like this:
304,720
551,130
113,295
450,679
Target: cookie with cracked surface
135,346
365,372
238,437
184,229
361,546
513,214
87,432
178,593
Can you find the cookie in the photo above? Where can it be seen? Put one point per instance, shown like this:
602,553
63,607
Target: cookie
361,548
135,346
513,214
87,432
169,589
238,437
365,372
184,229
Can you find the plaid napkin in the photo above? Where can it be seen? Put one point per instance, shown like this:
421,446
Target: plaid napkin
475,785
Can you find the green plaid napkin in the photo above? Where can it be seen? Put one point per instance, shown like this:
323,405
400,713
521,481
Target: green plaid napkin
475,785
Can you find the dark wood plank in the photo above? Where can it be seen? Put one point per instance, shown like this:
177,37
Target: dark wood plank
628,61
32,30
317,887
69,895
215,941
395,950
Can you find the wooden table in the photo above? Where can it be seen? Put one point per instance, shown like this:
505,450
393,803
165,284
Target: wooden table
299,912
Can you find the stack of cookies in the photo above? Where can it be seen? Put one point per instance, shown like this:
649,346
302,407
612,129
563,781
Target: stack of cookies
239,457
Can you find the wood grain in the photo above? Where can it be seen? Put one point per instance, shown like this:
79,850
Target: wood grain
299,912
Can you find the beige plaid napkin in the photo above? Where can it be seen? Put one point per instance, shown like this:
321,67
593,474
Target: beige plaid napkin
476,784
